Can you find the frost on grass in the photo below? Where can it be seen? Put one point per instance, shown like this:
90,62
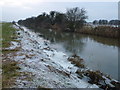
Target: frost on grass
49,68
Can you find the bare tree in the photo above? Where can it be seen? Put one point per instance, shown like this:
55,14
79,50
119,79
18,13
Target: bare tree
76,18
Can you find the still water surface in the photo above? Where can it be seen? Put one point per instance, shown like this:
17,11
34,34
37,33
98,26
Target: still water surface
99,53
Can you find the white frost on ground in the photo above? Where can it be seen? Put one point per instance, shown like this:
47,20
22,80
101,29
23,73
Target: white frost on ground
13,45
49,67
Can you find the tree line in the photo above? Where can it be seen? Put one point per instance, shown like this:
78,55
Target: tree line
106,22
73,19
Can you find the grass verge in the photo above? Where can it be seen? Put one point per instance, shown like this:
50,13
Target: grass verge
8,34
9,67
9,73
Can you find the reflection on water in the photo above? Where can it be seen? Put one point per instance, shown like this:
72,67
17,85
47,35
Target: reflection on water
99,53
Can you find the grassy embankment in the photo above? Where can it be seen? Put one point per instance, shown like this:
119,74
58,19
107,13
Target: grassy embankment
104,31
9,67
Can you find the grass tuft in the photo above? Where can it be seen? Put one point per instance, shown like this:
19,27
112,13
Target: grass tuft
77,61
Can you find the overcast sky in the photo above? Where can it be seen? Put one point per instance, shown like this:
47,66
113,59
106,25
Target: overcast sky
21,9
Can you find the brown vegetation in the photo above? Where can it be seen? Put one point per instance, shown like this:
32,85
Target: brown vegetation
96,77
77,61
9,72
105,31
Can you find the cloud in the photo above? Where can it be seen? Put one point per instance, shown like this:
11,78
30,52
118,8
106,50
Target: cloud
21,9
15,3
22,3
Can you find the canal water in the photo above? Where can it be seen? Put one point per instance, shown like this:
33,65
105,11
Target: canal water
99,53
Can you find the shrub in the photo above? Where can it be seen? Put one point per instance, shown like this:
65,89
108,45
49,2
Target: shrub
95,76
77,61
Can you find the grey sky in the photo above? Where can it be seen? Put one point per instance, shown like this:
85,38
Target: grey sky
21,10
